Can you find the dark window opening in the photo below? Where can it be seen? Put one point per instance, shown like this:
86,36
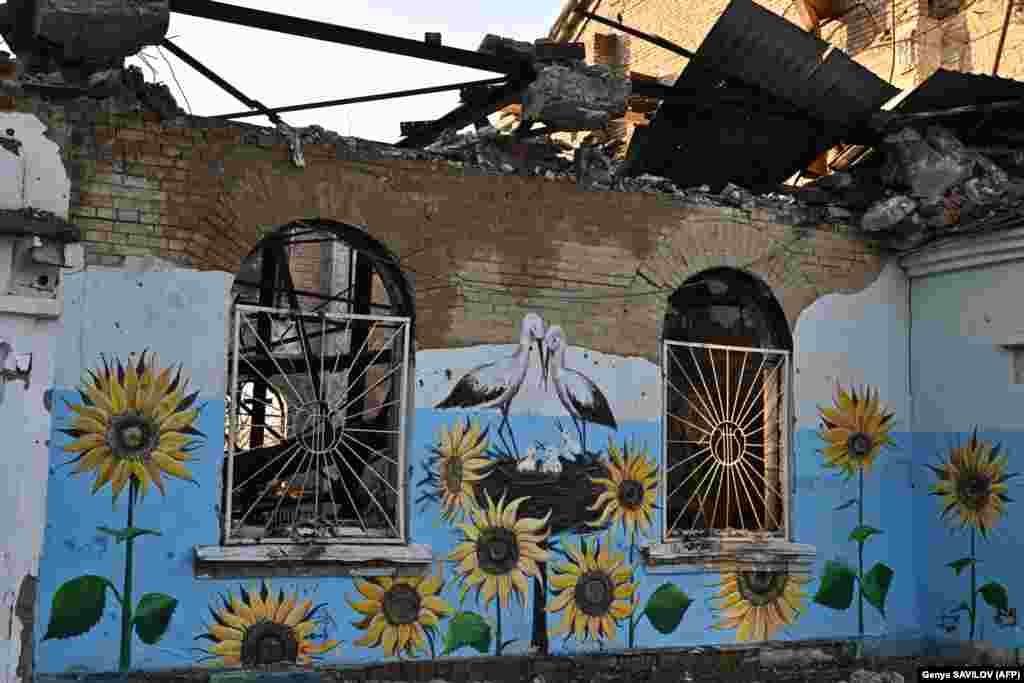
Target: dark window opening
726,369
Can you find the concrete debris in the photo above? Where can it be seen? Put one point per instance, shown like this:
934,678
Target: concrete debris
500,45
928,172
83,36
863,676
576,97
887,213
794,658
920,184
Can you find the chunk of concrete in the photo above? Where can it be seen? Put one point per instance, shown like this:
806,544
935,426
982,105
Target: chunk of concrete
927,172
500,45
92,31
577,97
887,213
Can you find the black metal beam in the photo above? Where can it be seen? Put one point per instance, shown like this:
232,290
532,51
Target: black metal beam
467,114
654,40
344,35
887,120
366,98
201,68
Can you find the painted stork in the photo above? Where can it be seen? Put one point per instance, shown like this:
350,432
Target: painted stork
494,385
579,395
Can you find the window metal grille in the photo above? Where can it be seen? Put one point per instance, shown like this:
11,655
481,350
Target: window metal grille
316,428
726,440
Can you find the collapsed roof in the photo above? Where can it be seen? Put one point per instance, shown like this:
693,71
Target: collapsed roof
758,101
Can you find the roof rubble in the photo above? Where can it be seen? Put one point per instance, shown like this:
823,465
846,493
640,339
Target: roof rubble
924,182
78,38
575,96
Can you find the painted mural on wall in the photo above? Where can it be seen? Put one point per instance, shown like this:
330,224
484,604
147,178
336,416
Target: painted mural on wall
855,430
553,513
536,501
133,425
972,489
258,627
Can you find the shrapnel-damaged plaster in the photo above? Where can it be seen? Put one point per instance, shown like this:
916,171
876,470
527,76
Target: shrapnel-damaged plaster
33,162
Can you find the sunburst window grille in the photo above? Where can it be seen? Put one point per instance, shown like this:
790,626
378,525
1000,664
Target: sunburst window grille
726,440
316,427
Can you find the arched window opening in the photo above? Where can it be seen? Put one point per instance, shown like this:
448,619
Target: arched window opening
726,357
319,365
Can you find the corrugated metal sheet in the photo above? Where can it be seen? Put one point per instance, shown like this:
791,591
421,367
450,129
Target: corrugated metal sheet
780,65
947,89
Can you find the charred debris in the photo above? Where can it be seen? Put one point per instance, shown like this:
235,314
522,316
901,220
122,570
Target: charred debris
757,104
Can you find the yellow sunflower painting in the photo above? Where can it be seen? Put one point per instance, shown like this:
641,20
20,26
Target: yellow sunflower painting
758,603
596,591
257,628
855,428
972,484
460,465
500,551
631,491
397,612
135,421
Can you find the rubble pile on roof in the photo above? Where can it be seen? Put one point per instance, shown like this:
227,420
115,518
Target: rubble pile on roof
576,96
922,183
79,39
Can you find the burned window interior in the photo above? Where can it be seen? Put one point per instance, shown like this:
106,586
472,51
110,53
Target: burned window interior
318,362
726,384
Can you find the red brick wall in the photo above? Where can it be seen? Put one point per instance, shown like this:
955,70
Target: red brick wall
480,250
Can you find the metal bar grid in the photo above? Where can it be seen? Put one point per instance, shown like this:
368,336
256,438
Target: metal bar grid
321,442
724,409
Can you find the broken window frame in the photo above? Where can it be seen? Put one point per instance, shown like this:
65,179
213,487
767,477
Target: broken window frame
281,359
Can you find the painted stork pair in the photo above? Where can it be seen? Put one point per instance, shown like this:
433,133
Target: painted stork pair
494,385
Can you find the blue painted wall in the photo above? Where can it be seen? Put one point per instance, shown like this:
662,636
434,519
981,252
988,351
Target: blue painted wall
859,338
961,379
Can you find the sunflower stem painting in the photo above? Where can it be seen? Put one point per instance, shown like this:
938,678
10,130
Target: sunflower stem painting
508,538
972,487
133,424
855,429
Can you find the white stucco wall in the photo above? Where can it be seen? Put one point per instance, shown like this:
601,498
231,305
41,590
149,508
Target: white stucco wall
857,339
24,425
32,175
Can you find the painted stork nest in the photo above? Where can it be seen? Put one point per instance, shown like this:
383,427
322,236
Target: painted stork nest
566,495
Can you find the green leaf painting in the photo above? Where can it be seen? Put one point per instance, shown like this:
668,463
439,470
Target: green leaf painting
467,629
996,595
122,535
863,533
77,606
153,616
875,586
959,565
666,607
836,588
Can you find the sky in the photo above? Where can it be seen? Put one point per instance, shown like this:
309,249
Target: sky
281,70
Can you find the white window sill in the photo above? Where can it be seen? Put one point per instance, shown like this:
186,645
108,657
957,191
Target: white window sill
314,559
728,554
36,307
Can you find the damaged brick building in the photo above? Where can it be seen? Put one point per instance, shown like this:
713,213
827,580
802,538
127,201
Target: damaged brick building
321,332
